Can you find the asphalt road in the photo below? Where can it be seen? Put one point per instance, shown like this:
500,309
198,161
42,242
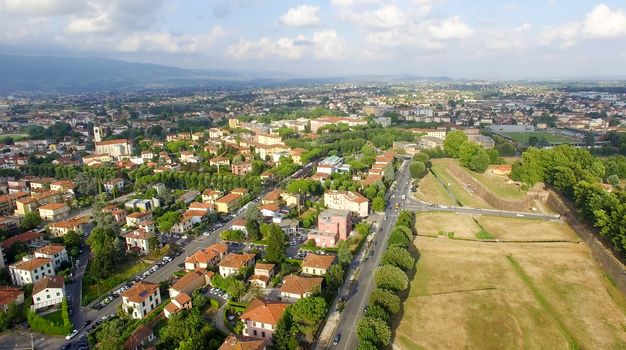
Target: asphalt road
358,298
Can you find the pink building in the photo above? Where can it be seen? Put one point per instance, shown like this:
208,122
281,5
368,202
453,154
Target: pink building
333,225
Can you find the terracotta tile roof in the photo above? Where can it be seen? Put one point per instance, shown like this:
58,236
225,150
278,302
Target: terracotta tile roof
182,298
264,311
53,206
9,294
273,195
204,256
270,207
263,278
293,284
31,264
48,282
140,291
192,213
239,222
262,266
111,142
50,249
139,335
318,261
70,223
239,190
22,237
235,260
239,342
228,198
138,215
201,206
190,277
139,234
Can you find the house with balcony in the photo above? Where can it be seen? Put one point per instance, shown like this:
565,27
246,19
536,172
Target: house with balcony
141,299
261,318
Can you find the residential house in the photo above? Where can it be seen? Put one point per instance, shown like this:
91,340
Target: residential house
317,265
219,161
239,224
61,228
182,301
138,241
239,342
210,196
269,210
135,219
142,204
241,169
141,337
227,203
185,224
55,252
29,271
10,295
347,200
206,257
48,292
333,225
64,186
30,238
296,287
25,205
53,211
116,184
141,299
263,274
296,155
261,318
189,282
233,262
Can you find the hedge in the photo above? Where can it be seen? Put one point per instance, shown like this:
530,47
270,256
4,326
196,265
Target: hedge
42,325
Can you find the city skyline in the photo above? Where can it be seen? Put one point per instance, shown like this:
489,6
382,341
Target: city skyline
460,39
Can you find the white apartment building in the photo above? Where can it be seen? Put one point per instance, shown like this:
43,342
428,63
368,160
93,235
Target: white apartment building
29,271
347,200
141,299
55,252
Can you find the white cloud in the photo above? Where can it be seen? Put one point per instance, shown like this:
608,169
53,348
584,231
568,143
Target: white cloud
386,17
105,16
328,45
524,27
170,43
323,45
604,23
450,28
42,7
301,16
564,35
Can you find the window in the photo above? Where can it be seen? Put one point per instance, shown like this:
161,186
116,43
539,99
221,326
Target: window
38,299
263,334
255,333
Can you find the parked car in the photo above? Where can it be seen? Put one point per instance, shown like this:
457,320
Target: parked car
71,335
337,339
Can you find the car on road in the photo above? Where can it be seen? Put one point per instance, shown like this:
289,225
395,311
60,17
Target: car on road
206,233
337,339
71,335
519,215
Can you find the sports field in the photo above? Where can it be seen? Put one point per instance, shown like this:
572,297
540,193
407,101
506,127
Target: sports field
523,137
479,295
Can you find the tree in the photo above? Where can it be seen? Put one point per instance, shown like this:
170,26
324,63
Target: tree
153,243
378,205
452,143
344,255
398,256
613,180
374,330
109,334
377,311
253,230
275,251
417,169
398,238
334,276
366,345
284,337
391,277
72,241
166,221
387,299
30,221
308,313
86,185
4,321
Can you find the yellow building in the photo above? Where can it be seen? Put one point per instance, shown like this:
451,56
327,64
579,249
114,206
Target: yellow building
227,203
53,211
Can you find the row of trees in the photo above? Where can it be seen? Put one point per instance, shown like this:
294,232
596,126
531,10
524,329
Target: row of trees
374,330
576,173
470,154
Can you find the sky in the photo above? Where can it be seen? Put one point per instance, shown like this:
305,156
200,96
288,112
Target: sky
483,39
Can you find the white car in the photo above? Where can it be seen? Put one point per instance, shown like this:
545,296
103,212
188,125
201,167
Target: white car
71,335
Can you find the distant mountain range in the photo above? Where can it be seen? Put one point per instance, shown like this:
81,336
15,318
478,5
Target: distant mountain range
55,74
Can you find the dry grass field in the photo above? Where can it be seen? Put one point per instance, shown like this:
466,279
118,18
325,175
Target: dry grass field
519,229
431,191
432,224
483,295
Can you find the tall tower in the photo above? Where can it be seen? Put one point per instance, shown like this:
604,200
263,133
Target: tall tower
98,133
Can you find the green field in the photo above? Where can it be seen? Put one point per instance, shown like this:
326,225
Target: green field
15,137
94,291
522,137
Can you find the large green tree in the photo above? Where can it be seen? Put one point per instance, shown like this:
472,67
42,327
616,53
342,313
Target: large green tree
386,299
391,277
452,143
375,331
398,256
275,251
308,313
